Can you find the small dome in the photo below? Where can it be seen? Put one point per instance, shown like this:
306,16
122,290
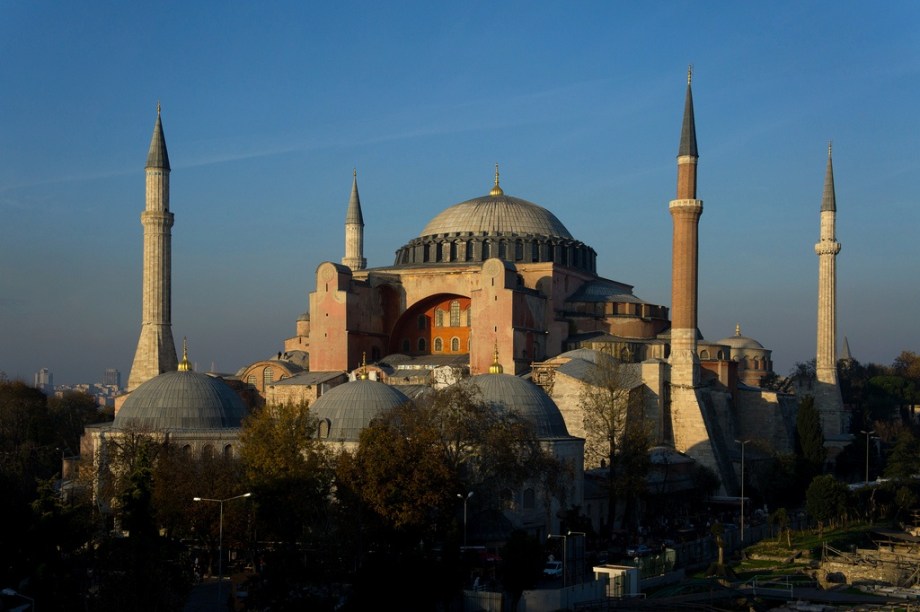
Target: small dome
351,407
181,400
509,392
740,342
496,214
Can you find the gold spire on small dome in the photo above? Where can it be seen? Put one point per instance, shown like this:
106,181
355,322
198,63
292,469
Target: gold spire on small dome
185,365
496,189
363,373
737,329
496,367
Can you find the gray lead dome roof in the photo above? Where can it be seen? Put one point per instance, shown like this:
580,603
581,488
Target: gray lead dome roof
181,400
351,407
522,397
495,214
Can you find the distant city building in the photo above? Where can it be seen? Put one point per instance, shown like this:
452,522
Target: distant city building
112,377
44,381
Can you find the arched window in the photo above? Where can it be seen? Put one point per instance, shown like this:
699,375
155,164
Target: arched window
469,316
324,427
422,345
438,345
228,452
438,317
207,452
251,380
486,249
187,451
455,313
267,374
704,354
455,344
519,250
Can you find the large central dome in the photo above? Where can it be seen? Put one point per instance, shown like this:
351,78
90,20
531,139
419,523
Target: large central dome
496,225
496,214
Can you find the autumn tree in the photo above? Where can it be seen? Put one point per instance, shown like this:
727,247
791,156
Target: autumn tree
617,435
289,470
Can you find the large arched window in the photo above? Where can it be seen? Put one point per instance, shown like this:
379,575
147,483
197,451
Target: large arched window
455,313
267,374
438,317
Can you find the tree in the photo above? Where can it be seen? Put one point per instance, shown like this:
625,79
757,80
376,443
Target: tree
522,563
904,460
826,500
617,436
288,469
779,519
809,440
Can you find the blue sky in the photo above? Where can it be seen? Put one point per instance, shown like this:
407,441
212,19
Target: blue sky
268,106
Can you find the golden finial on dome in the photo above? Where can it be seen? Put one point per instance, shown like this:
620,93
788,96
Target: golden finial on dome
737,329
363,373
185,365
689,73
496,190
496,367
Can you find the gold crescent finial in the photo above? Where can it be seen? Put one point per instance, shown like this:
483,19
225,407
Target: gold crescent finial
185,365
496,190
689,73
737,329
363,374
496,367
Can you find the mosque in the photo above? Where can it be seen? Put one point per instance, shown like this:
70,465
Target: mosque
495,290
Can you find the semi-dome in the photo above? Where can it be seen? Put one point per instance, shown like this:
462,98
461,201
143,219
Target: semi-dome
494,215
181,400
522,397
350,407
740,342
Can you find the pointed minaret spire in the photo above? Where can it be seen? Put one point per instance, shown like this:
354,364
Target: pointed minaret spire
354,230
156,351
829,199
834,419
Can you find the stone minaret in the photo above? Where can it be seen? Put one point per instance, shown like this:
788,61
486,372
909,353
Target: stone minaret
685,212
156,352
827,392
354,231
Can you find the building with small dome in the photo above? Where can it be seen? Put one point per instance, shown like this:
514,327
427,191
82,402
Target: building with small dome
754,362
344,411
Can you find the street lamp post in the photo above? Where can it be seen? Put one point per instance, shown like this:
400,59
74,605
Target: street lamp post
465,499
742,443
868,433
220,539
579,558
565,545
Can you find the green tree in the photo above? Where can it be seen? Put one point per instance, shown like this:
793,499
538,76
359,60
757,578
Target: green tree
617,435
289,470
779,519
809,440
904,460
826,500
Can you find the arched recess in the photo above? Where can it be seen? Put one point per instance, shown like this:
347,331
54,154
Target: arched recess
406,330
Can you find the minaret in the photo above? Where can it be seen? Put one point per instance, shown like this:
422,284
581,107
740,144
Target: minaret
688,419
827,392
685,212
354,231
156,352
